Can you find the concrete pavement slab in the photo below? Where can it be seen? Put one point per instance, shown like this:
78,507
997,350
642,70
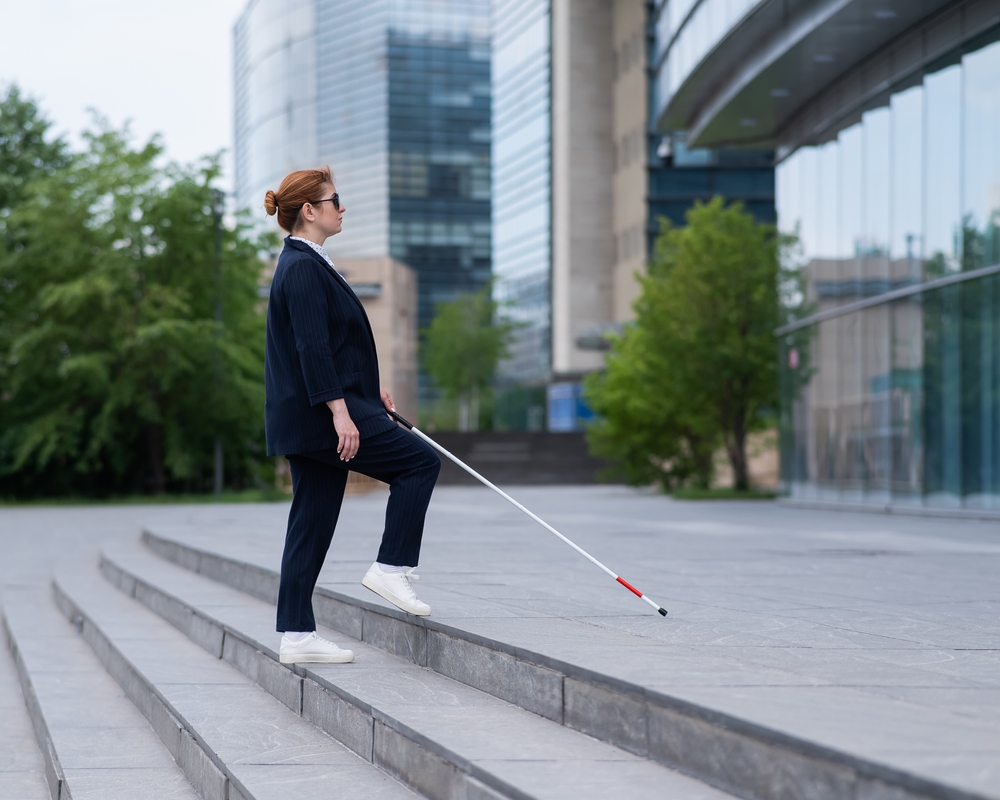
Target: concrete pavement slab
591,776
219,724
22,769
428,729
821,608
928,587
100,744
117,784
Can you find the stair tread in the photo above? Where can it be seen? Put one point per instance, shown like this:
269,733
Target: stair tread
537,756
812,691
22,769
104,744
262,745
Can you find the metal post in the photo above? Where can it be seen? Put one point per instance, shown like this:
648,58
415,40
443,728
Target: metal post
217,210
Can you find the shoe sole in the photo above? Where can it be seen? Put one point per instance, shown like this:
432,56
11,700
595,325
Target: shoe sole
387,595
316,658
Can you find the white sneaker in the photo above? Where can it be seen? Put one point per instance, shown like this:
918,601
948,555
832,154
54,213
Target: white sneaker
312,649
395,587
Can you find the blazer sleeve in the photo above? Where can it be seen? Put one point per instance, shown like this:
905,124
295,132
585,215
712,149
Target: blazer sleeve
309,310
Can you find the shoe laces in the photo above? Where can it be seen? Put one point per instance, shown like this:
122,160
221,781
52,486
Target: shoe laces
300,642
407,577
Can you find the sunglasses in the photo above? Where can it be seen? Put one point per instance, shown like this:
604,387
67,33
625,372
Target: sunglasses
335,200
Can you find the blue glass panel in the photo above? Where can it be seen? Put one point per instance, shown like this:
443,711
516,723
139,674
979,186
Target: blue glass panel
522,200
744,184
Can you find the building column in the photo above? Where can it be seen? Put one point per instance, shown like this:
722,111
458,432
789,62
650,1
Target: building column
583,243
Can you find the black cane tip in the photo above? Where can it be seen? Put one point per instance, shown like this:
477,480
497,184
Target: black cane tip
663,612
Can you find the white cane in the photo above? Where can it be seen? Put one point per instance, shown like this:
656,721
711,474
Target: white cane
409,426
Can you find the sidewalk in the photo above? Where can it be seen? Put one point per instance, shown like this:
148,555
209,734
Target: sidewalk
872,635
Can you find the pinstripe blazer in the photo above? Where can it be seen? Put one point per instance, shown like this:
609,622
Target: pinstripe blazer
320,347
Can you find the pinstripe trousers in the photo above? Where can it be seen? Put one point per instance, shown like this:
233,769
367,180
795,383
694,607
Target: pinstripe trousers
397,457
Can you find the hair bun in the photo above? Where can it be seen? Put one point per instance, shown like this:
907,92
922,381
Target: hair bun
270,203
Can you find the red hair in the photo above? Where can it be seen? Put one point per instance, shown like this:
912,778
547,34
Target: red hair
298,188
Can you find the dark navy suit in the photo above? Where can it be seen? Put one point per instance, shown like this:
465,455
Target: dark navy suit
320,347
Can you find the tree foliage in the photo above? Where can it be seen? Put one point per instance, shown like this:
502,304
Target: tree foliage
115,377
646,428
698,366
25,152
462,347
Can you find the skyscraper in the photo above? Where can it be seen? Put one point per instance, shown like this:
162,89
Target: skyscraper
580,177
395,97
522,202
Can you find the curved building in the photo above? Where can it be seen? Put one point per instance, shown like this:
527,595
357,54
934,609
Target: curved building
885,120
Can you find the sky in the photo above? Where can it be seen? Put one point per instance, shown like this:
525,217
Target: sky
165,66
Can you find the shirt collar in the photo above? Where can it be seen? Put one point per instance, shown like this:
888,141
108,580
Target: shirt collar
318,248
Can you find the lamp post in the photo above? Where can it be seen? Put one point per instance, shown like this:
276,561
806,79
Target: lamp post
217,209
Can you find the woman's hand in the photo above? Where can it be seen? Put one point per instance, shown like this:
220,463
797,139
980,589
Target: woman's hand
350,439
387,401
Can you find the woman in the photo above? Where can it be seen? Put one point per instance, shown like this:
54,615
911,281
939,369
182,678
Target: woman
326,414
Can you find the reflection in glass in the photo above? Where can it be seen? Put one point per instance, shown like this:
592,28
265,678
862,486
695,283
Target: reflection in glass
906,153
981,248
522,199
694,29
901,400
941,157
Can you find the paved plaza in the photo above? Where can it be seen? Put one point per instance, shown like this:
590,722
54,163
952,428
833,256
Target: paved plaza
869,635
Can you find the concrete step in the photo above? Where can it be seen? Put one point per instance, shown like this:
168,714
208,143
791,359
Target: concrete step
736,753
95,743
233,740
22,768
440,736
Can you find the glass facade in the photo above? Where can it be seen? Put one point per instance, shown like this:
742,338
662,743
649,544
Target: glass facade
891,388
274,104
683,32
686,31
686,176
395,96
352,119
522,199
439,155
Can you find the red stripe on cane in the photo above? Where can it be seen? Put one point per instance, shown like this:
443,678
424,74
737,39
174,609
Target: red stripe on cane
630,587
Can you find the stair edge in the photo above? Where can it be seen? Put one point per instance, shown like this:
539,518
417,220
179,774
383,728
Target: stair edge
199,763
54,776
674,723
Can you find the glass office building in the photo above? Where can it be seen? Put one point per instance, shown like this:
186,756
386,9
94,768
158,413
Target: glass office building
885,120
892,388
686,176
522,201
547,125
395,96
682,32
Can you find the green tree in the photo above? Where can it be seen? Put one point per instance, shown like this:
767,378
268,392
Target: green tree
698,367
115,378
649,432
26,152
462,347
